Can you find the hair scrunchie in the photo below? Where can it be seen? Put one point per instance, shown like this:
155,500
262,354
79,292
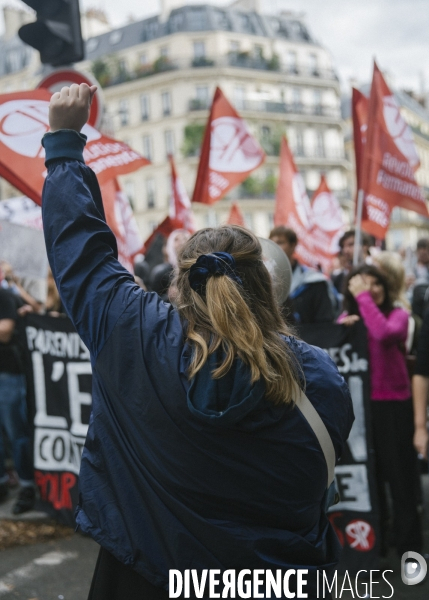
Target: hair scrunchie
206,265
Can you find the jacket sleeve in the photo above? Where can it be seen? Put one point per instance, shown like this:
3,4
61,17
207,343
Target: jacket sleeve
94,287
390,328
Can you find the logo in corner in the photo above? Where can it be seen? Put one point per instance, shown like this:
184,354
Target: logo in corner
413,568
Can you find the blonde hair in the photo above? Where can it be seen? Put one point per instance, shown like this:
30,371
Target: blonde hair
243,320
390,264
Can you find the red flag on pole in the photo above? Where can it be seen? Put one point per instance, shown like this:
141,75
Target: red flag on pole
180,205
293,210
23,122
389,161
121,220
164,229
229,152
235,216
360,104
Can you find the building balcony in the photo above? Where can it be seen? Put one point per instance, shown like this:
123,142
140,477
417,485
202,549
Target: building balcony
107,72
273,107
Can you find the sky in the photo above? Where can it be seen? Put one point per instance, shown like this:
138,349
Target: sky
395,32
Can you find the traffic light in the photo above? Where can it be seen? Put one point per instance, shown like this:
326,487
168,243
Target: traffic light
56,33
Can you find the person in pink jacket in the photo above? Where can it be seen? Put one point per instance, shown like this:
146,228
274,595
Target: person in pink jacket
368,298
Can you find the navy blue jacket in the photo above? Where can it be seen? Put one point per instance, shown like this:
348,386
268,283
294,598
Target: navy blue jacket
176,473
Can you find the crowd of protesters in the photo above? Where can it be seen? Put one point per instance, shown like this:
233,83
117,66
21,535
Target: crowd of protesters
390,299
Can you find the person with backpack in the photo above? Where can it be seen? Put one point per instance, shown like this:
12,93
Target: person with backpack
214,432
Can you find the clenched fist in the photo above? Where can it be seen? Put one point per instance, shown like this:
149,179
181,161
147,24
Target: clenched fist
69,109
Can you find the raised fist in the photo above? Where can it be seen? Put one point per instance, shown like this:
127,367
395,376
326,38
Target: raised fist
69,109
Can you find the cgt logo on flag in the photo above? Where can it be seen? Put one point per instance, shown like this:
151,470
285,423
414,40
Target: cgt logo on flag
23,123
24,119
399,130
413,568
232,147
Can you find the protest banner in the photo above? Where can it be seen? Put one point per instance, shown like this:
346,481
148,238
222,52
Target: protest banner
355,518
24,249
24,119
316,244
229,152
389,161
60,399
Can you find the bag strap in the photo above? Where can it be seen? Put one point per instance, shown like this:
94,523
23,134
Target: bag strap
319,428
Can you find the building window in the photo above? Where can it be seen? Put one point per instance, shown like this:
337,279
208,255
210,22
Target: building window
299,144
265,131
320,144
166,103
202,96
317,97
296,99
292,62
199,50
169,142
234,46
147,147
144,107
312,64
163,51
123,112
150,193
143,60
239,97
130,192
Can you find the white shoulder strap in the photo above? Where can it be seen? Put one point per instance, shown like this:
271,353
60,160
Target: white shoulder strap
320,431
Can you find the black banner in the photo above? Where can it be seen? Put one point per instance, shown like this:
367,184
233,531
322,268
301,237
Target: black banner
60,401
355,518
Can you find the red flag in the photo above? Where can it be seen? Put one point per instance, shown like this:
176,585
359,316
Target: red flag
24,121
164,228
328,221
235,216
180,205
360,104
120,218
389,161
229,153
293,210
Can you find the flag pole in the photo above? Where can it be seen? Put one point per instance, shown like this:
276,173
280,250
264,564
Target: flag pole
358,228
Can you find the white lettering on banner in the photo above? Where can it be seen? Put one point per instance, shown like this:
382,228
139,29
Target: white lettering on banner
42,419
346,363
353,486
115,160
78,397
96,150
56,343
217,183
398,167
359,532
357,437
377,216
57,450
399,186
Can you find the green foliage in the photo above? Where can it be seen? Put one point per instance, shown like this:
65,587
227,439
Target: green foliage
271,143
193,138
102,72
252,186
274,63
